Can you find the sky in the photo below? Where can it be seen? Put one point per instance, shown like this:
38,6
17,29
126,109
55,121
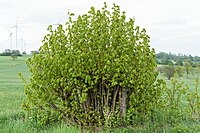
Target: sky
173,25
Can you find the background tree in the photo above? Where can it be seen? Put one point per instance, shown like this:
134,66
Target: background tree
96,71
13,56
169,71
35,52
187,66
16,52
7,52
180,71
24,52
179,62
197,70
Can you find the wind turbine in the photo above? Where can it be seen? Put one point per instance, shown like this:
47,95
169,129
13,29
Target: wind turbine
10,38
16,30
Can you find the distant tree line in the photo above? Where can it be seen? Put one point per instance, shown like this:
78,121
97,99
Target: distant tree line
163,58
34,52
9,52
12,53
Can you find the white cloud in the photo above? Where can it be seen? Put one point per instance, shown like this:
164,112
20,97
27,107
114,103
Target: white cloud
172,25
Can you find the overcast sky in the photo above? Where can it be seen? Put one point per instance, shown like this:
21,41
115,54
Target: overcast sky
173,25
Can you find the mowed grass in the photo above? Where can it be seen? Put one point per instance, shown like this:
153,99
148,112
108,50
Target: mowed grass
12,94
11,87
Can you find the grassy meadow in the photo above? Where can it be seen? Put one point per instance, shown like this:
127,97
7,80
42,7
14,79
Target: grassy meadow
12,117
11,93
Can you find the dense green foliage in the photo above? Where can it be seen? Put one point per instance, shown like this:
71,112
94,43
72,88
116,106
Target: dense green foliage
96,71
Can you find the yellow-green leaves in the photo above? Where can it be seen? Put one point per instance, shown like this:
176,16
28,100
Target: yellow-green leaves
98,64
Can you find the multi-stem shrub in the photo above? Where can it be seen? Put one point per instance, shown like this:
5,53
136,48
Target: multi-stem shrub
98,70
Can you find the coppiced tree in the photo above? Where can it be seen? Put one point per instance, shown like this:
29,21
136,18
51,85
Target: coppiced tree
98,70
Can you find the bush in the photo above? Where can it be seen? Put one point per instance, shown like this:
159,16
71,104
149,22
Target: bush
96,71
14,56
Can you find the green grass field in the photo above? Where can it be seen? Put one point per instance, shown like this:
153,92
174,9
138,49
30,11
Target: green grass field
9,80
12,94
